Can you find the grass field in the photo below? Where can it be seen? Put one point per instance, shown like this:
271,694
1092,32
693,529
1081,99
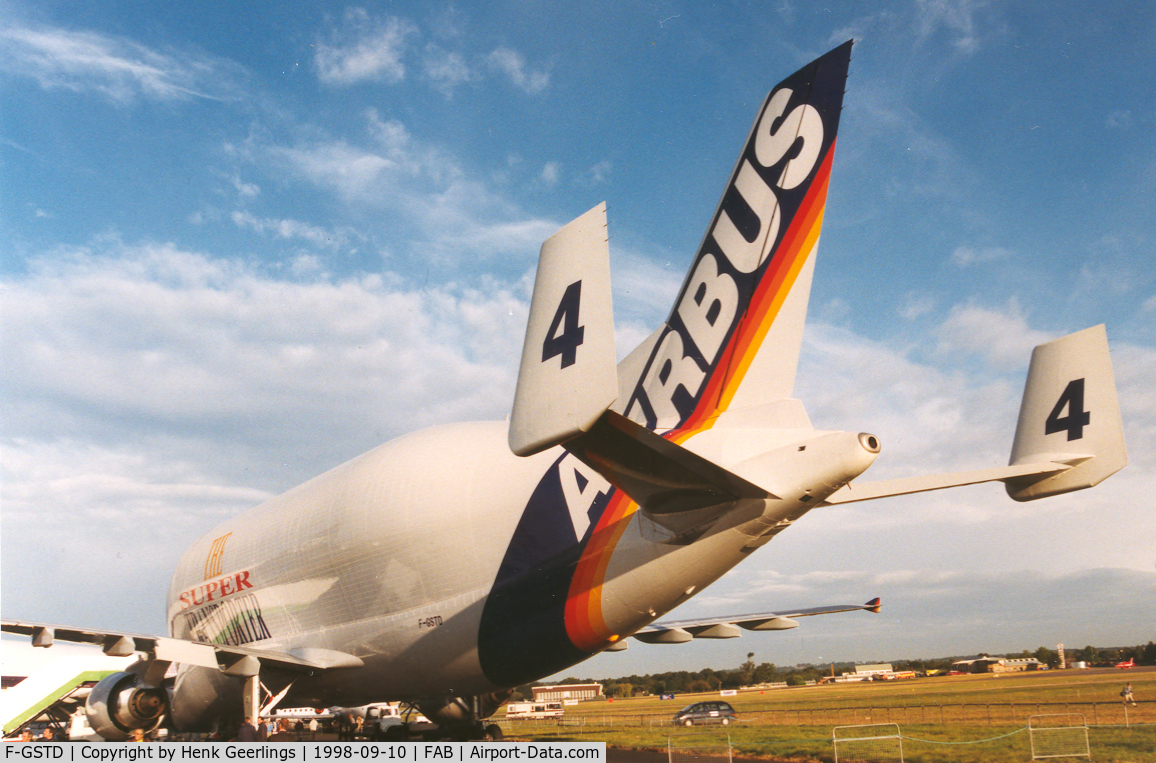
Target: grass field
962,719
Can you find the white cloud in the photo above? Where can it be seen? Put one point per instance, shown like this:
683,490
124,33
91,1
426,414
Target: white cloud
446,69
354,173
117,68
364,48
146,383
915,305
120,336
1120,119
245,190
644,287
959,18
450,214
292,229
395,168
369,48
600,171
550,173
513,65
864,30
964,256
84,481
923,171
1001,336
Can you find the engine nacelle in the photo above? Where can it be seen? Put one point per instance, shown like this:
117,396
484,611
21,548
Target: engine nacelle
121,704
462,710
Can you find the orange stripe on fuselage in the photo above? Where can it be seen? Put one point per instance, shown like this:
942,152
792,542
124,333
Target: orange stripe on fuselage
584,621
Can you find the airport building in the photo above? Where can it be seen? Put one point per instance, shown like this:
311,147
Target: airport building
567,691
875,672
996,665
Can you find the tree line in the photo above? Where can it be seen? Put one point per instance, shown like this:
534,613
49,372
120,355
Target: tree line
751,674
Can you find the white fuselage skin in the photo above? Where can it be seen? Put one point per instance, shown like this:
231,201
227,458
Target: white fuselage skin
390,557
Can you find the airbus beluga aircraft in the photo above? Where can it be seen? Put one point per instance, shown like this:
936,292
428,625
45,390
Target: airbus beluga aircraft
452,564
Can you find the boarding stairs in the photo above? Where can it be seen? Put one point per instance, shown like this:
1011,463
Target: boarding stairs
53,683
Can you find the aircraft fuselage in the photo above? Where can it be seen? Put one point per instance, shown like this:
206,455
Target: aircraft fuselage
403,558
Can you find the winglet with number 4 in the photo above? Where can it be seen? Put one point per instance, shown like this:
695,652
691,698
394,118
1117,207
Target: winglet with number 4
568,376
1069,436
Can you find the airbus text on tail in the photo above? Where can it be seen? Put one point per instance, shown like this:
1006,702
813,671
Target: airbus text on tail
734,334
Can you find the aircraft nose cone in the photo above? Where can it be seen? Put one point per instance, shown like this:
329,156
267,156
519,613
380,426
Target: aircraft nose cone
869,442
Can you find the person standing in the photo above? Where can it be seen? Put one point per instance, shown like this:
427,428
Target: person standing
248,732
1126,693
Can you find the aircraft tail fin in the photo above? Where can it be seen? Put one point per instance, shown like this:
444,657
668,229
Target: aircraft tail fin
567,376
738,319
1069,414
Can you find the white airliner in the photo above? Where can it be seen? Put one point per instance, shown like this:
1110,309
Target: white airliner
451,564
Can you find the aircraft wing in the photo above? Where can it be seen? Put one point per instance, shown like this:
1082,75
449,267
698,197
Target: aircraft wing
233,660
681,631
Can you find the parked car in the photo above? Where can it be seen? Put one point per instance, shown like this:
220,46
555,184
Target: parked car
705,712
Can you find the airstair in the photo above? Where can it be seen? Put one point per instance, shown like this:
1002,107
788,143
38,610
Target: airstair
52,683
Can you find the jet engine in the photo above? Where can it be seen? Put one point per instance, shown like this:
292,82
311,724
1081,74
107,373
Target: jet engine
122,703
464,713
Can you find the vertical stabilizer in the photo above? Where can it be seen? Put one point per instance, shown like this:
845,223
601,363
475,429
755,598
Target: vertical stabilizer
733,337
1069,414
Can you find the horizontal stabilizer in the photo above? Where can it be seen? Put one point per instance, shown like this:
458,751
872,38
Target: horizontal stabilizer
661,476
681,631
568,375
866,491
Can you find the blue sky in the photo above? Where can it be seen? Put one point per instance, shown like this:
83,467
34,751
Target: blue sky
242,245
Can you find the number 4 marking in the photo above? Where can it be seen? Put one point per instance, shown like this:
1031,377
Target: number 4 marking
566,319
1076,419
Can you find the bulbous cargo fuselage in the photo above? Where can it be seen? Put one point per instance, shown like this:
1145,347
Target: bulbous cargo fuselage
446,565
